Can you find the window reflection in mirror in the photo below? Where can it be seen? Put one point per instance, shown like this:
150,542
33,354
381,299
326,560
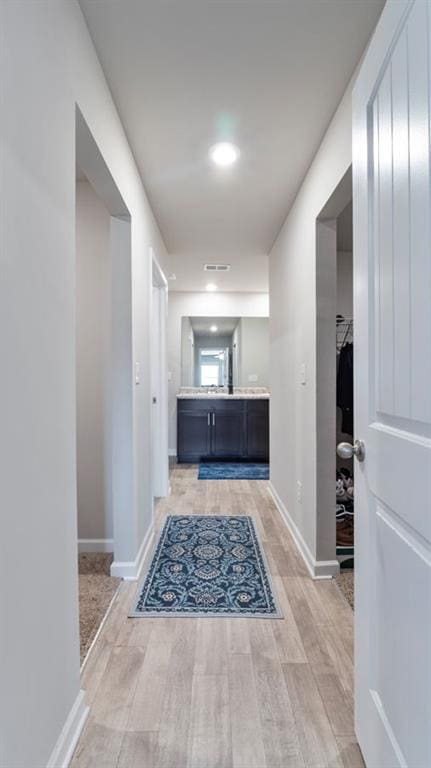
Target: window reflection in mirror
224,352
213,367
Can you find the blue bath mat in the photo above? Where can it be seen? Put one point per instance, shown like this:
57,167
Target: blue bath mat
208,566
226,470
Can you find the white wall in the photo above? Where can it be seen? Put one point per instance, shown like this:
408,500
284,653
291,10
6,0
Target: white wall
183,304
345,283
93,322
48,64
293,335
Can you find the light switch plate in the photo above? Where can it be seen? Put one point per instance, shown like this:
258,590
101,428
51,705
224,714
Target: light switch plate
299,491
303,374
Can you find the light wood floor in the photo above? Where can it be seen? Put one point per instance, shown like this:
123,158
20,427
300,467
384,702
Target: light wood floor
226,693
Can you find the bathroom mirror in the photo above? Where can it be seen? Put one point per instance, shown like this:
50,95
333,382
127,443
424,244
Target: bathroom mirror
224,352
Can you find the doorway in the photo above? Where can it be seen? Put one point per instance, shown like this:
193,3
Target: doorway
334,333
344,329
159,380
94,480
103,333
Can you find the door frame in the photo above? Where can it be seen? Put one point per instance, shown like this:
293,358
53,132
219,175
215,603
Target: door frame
119,447
159,408
326,374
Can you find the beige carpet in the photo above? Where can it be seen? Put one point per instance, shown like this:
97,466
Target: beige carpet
346,583
96,590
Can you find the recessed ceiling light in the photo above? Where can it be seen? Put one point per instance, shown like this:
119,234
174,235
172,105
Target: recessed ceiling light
224,154
213,328
211,287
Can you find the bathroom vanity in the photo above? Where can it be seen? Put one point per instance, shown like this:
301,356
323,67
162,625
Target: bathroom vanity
234,427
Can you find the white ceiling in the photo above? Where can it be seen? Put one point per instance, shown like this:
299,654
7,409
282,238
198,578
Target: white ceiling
265,74
249,273
225,325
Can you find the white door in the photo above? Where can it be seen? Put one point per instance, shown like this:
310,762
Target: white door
392,246
159,381
155,382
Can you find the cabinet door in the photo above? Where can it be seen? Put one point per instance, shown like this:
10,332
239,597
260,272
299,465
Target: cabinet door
227,433
194,441
258,430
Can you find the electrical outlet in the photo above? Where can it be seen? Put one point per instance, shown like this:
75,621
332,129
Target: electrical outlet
299,492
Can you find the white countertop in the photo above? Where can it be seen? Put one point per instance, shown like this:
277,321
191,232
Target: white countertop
222,396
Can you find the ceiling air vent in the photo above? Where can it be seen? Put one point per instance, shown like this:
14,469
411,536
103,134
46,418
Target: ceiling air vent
217,267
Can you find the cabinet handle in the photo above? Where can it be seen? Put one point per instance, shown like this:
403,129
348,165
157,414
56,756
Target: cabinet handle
209,422
213,419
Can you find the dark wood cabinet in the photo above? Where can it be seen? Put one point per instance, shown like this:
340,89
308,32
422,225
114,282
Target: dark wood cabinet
227,434
258,429
223,429
194,434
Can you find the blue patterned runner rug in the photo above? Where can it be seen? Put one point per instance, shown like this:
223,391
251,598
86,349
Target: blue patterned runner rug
229,470
208,566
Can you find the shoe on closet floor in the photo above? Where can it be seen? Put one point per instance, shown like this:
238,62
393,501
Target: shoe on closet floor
345,531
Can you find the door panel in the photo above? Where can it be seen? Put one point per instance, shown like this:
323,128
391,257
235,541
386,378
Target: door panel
401,236
418,31
392,256
401,195
391,450
227,434
194,441
258,430
398,674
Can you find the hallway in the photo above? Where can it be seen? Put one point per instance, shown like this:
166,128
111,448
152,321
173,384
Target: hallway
240,693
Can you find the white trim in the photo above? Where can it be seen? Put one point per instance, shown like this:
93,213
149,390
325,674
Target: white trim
96,636
95,545
131,571
172,451
70,733
318,569
157,272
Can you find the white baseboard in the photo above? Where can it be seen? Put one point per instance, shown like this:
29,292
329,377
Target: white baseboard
95,545
131,571
99,631
318,569
172,452
66,743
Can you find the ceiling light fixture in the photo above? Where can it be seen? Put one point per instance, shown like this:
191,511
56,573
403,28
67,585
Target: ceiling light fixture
224,154
213,329
211,287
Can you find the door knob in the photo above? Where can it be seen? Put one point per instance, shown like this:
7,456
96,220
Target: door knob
346,451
